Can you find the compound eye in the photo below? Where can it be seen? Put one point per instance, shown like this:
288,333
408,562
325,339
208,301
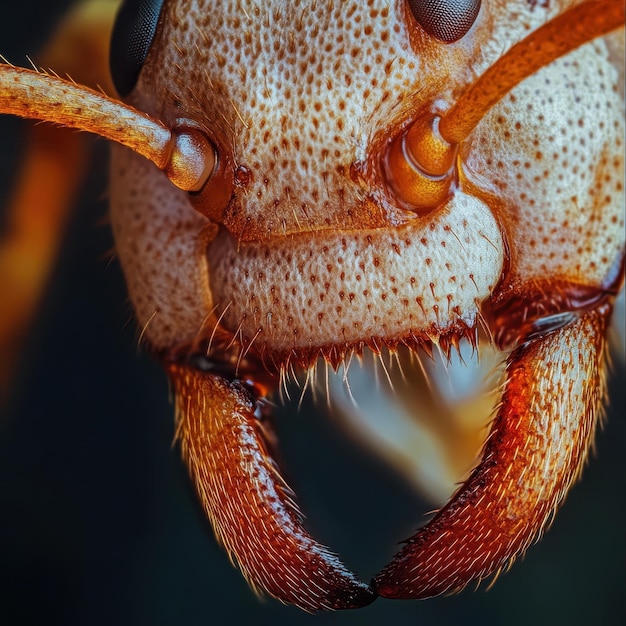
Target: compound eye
446,20
135,25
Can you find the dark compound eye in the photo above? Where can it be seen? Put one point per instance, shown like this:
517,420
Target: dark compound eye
133,32
446,20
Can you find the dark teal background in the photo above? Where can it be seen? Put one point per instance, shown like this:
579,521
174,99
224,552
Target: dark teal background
98,524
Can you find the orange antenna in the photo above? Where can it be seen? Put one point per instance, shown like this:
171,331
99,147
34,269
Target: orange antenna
185,154
568,31
419,165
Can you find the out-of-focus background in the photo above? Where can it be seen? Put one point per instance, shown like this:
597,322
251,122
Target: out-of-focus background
98,524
